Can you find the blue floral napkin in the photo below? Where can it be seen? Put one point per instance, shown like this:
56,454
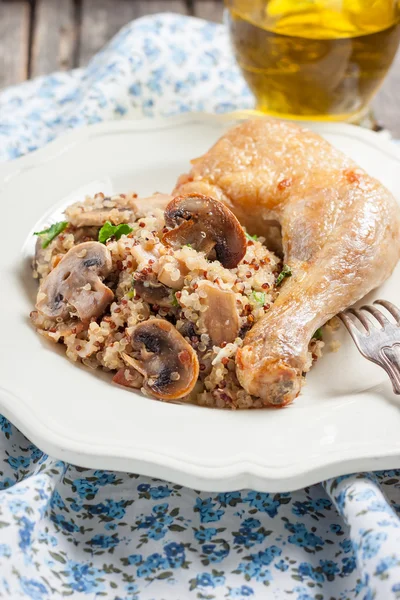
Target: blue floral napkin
67,531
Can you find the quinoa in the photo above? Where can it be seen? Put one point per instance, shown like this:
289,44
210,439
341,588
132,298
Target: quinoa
140,263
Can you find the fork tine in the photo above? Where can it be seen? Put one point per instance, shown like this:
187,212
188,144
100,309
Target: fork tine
394,311
351,328
362,318
377,314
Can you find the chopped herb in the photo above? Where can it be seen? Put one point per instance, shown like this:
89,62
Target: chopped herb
189,245
132,292
253,238
286,272
52,232
175,302
318,334
109,230
259,297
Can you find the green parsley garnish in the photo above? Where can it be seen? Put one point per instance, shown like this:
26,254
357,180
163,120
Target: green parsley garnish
318,334
253,238
52,232
258,297
175,302
109,230
286,272
189,245
132,292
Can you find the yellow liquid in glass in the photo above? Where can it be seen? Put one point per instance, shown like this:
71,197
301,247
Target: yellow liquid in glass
314,59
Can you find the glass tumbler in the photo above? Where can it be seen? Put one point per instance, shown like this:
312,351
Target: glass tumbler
314,59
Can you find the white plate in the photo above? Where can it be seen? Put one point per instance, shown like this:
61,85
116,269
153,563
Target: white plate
345,420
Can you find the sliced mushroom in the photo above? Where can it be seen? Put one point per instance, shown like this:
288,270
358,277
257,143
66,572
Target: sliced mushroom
206,224
116,209
186,328
45,258
76,284
154,292
221,319
172,272
99,216
142,256
145,205
168,363
99,209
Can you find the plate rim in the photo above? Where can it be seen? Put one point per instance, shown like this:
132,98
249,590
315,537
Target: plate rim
66,140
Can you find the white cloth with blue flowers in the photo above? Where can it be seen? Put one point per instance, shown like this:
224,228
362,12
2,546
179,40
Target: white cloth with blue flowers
67,531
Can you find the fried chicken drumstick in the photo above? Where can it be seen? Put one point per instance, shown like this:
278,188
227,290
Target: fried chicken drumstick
340,237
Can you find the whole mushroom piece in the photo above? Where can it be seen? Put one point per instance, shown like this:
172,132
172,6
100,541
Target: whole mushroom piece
168,363
77,282
206,224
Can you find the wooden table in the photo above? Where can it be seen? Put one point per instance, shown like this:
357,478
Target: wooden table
41,36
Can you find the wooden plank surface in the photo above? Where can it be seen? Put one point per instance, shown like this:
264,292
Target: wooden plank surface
102,19
211,10
54,37
151,7
14,42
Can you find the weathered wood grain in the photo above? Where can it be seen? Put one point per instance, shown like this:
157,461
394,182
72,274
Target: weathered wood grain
212,10
14,47
387,103
54,37
102,19
150,7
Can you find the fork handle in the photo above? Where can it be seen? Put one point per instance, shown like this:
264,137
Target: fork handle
390,361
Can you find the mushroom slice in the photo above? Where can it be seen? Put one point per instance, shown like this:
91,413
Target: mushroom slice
154,292
116,209
142,256
75,283
221,319
168,363
45,257
172,272
206,224
144,206
99,216
99,209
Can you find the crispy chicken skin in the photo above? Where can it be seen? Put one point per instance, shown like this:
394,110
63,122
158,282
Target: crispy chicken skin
340,235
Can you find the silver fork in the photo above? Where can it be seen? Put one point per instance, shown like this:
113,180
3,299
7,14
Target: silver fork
380,345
